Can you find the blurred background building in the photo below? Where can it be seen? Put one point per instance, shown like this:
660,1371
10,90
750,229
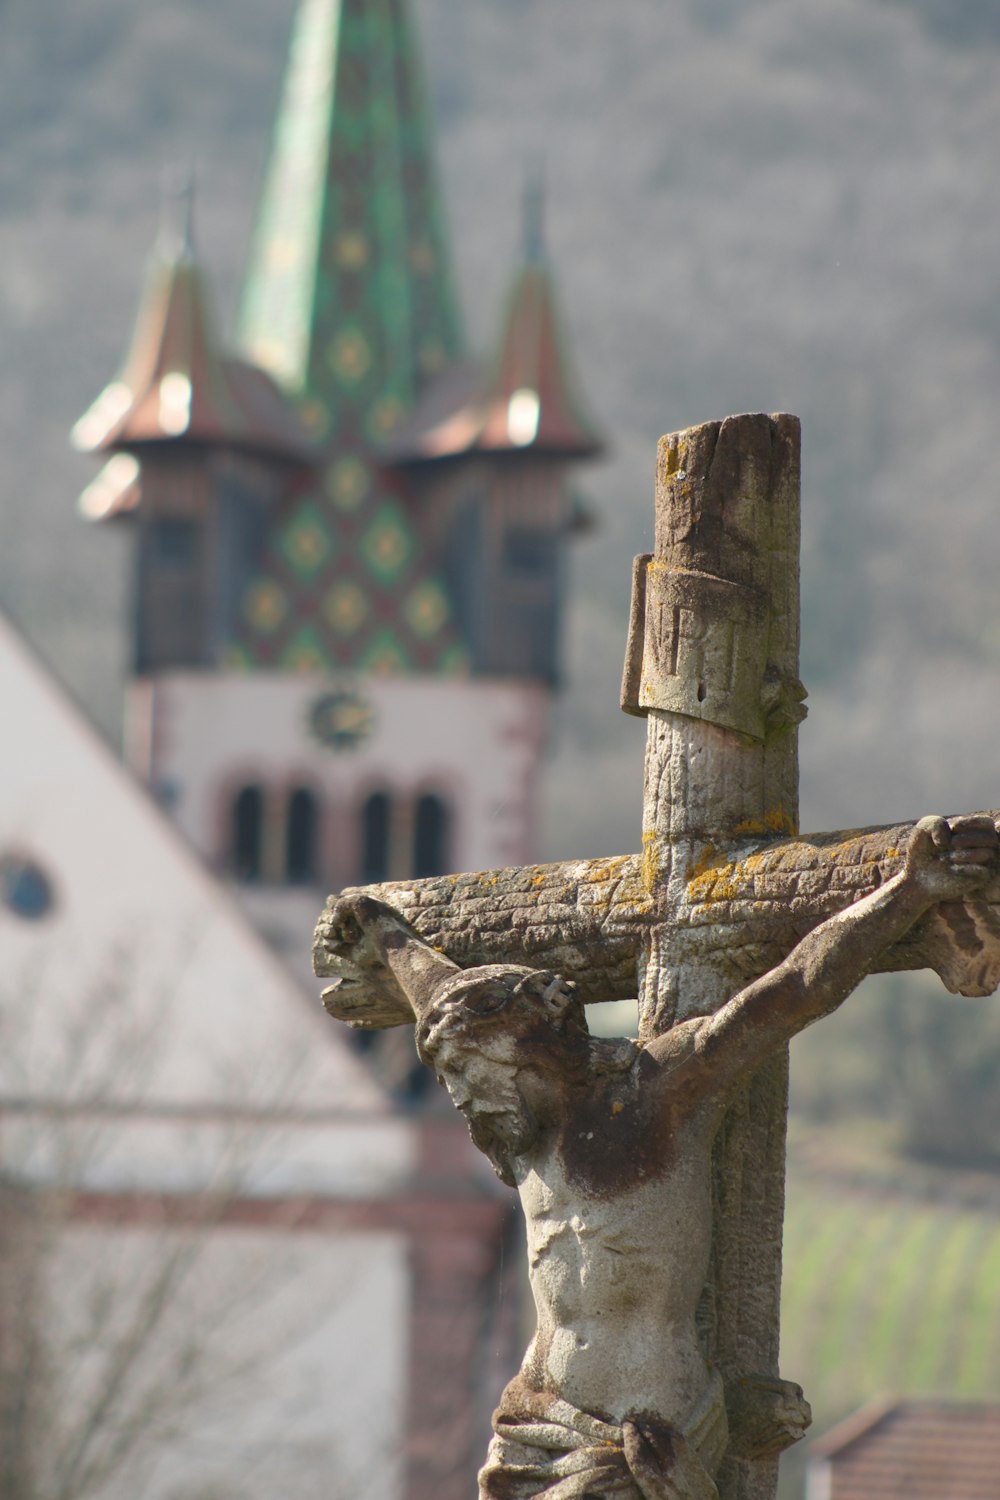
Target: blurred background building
347,553
349,541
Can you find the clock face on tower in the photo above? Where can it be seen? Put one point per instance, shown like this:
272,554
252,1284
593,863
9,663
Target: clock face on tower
342,719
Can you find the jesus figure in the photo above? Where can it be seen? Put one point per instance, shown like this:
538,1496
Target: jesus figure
609,1144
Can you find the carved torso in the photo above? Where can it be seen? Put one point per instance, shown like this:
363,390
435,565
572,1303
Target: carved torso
617,1202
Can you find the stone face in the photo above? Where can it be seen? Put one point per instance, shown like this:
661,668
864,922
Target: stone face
651,1175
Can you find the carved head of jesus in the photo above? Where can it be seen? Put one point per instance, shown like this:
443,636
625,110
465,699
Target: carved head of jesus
495,1036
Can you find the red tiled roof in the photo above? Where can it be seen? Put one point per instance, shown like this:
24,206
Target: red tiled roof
525,406
530,404
175,385
911,1450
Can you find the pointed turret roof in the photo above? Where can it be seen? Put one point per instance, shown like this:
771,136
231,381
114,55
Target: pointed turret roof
175,384
528,402
348,300
531,402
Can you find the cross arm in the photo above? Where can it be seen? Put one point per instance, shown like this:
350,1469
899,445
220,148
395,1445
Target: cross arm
584,919
749,899
944,862
758,900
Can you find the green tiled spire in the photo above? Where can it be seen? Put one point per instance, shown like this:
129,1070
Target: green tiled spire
348,302
348,299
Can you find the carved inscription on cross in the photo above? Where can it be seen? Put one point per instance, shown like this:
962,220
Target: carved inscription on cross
723,887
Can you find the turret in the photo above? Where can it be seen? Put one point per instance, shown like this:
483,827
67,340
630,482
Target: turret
502,443
198,446
355,537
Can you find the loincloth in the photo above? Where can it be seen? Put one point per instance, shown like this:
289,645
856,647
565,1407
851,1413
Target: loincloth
563,1453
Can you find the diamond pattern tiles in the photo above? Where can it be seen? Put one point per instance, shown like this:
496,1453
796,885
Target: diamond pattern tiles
388,543
349,302
348,586
383,312
346,606
306,542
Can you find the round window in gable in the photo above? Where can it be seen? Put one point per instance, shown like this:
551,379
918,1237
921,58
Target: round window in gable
25,889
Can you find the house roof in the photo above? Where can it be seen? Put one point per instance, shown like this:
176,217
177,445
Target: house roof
113,931
920,1450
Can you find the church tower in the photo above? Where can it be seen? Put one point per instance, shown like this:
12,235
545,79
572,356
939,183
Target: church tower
350,540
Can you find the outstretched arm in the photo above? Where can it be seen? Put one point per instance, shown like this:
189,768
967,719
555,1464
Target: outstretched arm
379,956
944,862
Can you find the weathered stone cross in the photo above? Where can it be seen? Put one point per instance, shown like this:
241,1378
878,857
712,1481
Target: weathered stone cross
723,887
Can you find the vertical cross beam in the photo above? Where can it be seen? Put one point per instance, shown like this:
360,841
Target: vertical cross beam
712,661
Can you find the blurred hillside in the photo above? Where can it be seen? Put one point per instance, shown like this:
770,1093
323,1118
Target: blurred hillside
891,1285
754,205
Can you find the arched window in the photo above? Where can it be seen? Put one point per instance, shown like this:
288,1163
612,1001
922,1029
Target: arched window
376,817
248,833
430,837
301,831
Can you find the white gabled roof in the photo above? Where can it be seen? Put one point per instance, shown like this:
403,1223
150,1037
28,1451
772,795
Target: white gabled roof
143,981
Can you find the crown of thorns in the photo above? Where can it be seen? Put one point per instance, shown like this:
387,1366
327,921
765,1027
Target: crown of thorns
474,996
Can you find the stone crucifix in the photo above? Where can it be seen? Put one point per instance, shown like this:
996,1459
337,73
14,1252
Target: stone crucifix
652,1173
